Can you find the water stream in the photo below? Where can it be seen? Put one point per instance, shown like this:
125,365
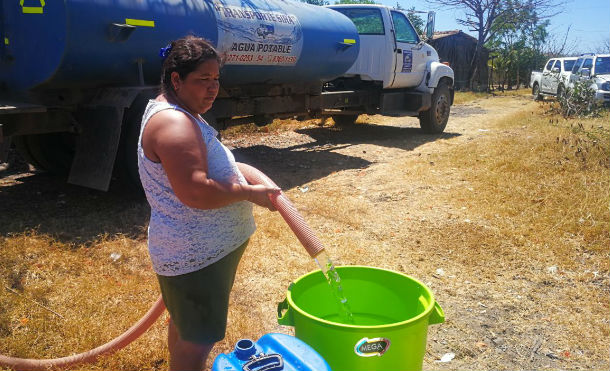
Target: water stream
334,281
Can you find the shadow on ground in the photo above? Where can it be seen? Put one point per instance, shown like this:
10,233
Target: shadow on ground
72,214
33,200
303,163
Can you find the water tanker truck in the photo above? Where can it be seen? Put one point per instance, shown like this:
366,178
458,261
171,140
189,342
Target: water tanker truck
75,75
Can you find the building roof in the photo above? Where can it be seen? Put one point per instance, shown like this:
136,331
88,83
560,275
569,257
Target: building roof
441,34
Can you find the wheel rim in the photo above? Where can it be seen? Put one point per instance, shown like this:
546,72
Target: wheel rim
442,108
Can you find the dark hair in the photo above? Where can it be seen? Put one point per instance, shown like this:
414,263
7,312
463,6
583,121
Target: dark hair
184,56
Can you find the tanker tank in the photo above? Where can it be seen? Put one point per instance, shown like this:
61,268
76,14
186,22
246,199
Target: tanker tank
46,45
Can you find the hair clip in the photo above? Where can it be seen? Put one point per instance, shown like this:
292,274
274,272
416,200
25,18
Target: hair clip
164,52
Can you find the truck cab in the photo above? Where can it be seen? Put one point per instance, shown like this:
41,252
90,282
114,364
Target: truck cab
395,74
594,69
391,51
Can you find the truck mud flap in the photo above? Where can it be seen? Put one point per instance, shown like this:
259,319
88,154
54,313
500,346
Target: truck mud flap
97,147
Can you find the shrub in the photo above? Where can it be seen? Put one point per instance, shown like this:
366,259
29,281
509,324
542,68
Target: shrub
579,101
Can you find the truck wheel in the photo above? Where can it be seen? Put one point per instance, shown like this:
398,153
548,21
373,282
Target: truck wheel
536,92
52,152
434,120
345,120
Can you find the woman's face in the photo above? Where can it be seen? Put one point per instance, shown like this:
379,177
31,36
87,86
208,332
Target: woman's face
200,87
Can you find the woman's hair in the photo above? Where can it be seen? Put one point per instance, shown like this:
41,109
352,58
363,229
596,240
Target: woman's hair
184,56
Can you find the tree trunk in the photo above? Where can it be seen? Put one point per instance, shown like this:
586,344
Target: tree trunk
473,66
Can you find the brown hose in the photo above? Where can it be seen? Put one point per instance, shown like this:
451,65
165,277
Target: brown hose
283,205
90,356
295,221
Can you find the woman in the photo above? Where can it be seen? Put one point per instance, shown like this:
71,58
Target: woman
201,205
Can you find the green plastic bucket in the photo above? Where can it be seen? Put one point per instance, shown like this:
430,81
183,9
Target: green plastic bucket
391,312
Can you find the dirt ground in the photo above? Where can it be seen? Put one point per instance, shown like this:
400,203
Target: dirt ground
496,317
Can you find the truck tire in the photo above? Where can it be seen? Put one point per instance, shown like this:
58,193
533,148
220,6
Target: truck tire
536,92
345,120
434,120
51,152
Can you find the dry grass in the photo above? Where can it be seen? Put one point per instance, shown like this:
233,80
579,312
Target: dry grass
462,97
517,219
533,218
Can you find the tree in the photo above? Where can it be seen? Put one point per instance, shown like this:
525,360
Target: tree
417,21
486,17
516,45
558,46
604,48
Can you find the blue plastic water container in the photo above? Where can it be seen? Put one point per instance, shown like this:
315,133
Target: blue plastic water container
272,352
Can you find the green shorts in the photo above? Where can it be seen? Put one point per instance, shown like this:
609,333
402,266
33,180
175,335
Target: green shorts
198,302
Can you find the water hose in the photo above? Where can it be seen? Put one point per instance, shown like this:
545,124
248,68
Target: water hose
295,221
283,205
89,356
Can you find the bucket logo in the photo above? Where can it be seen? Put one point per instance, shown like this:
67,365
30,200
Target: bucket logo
372,347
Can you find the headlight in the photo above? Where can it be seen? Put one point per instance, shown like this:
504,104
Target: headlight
605,86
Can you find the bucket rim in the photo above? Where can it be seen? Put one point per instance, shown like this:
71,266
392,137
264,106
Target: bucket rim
420,316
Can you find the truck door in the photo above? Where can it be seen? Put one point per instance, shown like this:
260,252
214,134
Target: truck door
409,54
553,80
587,65
372,63
546,76
575,69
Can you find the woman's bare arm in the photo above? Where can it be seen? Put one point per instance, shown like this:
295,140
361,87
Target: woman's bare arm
175,140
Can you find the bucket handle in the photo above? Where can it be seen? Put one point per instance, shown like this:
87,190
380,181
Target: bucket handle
284,318
437,315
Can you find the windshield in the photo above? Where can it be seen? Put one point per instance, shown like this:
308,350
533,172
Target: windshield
367,21
602,66
568,64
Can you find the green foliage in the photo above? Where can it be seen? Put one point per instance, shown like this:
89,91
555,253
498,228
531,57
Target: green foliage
418,22
579,101
515,45
367,21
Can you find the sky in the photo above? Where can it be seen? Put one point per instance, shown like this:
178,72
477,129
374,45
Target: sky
589,21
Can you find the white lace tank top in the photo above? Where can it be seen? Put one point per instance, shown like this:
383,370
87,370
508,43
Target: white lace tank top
182,239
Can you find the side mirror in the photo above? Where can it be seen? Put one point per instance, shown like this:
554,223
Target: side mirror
555,70
585,72
430,25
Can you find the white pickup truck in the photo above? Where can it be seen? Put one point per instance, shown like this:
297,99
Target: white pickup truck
596,70
553,79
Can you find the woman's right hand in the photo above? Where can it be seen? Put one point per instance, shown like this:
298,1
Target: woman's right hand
259,194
